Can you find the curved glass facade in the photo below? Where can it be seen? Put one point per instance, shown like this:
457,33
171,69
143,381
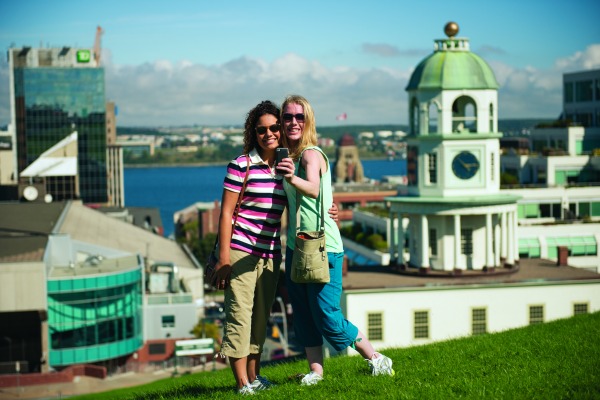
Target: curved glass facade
95,318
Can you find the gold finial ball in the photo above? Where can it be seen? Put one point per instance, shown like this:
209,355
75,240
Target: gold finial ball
451,29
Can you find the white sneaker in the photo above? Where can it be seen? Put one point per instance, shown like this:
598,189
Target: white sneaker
246,390
310,379
261,383
381,365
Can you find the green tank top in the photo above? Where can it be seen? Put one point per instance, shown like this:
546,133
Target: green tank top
310,210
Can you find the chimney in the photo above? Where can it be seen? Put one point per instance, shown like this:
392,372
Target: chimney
563,256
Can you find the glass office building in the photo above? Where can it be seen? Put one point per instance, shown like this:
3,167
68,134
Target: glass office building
56,92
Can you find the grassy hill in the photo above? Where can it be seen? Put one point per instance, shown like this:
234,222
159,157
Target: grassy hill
555,360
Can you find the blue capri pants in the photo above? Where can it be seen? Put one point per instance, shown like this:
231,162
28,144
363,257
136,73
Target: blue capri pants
316,306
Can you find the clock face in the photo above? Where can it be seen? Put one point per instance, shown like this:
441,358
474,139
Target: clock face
465,165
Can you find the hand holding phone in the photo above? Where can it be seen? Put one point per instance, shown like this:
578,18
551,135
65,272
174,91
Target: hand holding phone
280,154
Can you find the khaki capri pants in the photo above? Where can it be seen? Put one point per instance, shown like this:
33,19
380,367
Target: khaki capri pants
248,301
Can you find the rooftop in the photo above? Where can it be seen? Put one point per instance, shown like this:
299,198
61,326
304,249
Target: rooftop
530,271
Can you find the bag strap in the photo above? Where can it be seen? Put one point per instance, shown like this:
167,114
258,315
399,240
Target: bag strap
241,195
299,199
239,201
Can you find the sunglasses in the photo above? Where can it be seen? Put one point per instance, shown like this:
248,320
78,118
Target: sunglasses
261,130
289,117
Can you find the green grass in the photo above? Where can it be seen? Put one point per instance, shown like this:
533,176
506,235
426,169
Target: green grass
556,360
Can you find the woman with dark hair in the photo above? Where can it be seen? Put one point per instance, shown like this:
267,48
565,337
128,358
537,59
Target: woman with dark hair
250,246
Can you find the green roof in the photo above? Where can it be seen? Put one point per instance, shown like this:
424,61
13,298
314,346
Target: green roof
452,69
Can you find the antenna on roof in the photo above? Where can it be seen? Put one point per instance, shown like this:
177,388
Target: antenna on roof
97,44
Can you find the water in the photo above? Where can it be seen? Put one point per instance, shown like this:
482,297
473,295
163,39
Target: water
171,189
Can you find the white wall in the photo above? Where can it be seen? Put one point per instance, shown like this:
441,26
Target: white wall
23,286
185,320
450,308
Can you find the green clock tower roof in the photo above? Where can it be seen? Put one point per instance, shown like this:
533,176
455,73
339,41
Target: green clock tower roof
452,66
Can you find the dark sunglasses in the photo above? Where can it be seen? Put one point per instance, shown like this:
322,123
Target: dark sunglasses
289,117
261,130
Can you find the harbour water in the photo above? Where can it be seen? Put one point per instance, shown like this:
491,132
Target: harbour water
171,189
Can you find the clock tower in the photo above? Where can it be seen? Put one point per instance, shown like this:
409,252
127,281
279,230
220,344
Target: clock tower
458,219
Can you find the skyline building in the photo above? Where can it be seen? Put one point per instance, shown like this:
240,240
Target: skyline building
581,99
55,92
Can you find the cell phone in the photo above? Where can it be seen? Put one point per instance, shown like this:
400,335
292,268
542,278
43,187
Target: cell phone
280,154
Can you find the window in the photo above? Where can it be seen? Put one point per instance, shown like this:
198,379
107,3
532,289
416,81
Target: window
157,348
568,94
168,321
529,248
375,326
566,177
580,308
433,250
551,210
464,115
528,211
466,241
492,167
577,245
86,318
433,118
584,91
491,118
536,315
412,165
421,325
432,164
478,321
414,117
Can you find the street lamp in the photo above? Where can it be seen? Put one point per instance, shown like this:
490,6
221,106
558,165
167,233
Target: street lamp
285,331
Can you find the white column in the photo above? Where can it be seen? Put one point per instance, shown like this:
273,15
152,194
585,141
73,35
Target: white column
510,256
516,235
497,235
391,235
504,234
400,240
489,244
424,241
457,242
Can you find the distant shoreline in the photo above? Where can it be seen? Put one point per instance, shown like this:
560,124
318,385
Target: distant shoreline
211,164
198,164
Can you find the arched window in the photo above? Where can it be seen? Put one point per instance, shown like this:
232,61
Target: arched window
491,117
464,115
433,118
414,116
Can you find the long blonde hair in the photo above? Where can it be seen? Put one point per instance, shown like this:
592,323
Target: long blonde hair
309,133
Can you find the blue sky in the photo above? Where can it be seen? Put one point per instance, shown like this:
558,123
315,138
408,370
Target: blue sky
207,63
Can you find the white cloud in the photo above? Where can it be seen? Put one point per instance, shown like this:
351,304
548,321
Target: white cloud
581,60
530,93
165,93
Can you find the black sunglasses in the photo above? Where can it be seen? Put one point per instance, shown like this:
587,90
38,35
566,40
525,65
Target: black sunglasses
289,117
261,130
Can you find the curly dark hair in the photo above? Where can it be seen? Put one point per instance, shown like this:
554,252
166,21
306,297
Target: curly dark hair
264,107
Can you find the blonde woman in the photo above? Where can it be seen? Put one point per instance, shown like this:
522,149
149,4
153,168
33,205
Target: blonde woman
316,306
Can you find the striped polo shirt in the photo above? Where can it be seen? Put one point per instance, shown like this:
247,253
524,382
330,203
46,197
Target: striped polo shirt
258,227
